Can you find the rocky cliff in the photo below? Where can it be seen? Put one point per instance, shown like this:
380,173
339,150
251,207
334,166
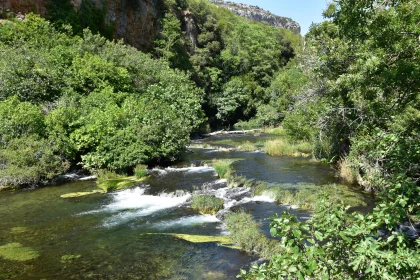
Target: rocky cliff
22,6
258,14
134,21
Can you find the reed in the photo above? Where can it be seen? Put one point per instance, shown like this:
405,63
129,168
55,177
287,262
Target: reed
222,167
282,147
247,147
345,171
140,171
207,204
246,233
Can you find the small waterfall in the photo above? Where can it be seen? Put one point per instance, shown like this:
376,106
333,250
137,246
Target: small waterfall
134,203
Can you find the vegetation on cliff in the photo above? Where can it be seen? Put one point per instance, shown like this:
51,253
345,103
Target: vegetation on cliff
233,59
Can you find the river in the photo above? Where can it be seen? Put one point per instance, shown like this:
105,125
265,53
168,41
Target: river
127,234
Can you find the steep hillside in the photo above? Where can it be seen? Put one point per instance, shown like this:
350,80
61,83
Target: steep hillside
133,21
231,58
258,14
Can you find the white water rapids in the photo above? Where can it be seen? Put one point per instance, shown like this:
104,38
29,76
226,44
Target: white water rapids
136,204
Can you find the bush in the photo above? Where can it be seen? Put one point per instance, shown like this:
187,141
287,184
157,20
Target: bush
207,204
102,102
19,118
336,244
30,161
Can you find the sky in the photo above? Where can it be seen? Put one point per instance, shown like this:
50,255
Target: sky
303,12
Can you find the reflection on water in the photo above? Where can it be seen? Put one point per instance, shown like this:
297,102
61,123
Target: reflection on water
112,232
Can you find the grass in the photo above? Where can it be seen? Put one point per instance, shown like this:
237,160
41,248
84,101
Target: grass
140,171
207,204
16,252
282,147
280,131
345,171
222,167
246,125
246,233
306,196
234,181
247,147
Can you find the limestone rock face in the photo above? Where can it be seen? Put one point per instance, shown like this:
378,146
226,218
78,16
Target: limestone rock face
191,30
258,14
134,21
23,7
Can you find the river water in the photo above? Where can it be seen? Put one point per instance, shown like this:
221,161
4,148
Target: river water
126,234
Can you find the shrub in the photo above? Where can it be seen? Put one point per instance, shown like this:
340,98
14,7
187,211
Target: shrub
29,161
207,204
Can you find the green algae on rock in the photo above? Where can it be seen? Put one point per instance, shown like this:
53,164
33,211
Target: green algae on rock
16,252
79,194
119,183
18,230
223,240
70,258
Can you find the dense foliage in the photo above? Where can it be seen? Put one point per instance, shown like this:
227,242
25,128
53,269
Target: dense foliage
233,59
67,100
360,103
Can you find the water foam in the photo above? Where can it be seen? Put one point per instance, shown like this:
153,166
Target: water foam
187,221
191,169
134,203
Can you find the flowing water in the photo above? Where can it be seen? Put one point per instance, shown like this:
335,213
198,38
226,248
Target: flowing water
127,234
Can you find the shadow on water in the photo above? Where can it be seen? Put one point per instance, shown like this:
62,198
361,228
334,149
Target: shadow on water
126,235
